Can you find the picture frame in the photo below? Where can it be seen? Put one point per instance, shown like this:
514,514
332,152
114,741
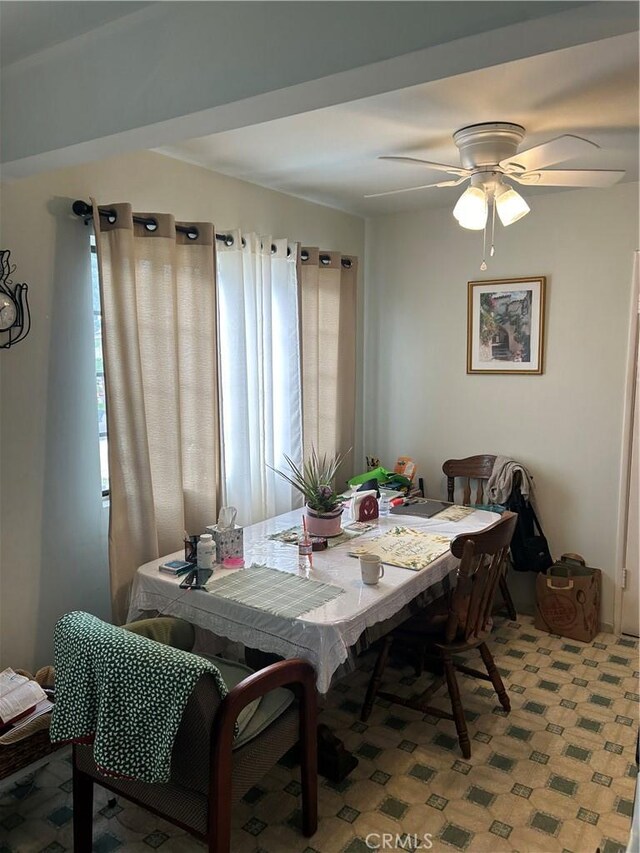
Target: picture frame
505,325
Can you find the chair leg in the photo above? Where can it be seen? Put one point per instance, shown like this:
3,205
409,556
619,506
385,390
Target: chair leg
494,675
82,811
219,836
418,666
309,763
456,707
376,678
219,823
506,595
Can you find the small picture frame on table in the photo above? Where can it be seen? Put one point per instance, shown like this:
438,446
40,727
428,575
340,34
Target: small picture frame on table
505,325
191,548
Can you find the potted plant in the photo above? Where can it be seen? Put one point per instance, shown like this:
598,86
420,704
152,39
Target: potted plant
315,480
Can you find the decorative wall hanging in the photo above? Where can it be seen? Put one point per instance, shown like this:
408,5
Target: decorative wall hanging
15,318
505,325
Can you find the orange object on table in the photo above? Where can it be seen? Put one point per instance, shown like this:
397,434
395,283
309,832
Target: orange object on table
405,466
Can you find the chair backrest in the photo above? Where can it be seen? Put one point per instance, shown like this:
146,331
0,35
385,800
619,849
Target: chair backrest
191,747
165,629
477,468
482,562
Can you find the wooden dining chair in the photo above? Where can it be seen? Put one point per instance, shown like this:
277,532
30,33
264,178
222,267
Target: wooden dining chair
478,469
454,625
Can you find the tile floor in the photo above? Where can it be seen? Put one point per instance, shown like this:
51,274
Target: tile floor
556,774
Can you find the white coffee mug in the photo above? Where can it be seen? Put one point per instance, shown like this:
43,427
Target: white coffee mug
371,568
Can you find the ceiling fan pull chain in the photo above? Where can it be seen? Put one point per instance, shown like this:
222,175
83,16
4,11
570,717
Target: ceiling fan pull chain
493,226
483,265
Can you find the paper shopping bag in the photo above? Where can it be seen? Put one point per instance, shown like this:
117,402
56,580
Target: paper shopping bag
568,599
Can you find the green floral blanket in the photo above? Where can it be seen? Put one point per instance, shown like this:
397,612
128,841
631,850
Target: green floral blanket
123,692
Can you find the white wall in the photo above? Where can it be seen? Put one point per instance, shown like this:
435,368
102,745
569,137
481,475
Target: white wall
566,424
53,549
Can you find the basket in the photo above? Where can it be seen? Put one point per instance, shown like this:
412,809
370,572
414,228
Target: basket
20,747
16,756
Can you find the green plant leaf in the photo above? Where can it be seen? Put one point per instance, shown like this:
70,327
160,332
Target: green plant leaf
314,479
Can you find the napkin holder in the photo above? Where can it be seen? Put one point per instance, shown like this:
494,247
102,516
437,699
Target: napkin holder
229,541
365,506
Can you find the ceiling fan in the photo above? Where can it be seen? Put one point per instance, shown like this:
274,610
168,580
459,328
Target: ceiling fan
489,160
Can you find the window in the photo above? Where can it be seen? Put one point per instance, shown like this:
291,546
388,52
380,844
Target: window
97,335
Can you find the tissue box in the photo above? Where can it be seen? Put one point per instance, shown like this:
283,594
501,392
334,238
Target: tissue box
229,542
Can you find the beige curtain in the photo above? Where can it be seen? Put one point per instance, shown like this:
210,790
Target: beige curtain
160,362
328,340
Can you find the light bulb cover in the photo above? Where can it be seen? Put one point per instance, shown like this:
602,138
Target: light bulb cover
471,209
511,207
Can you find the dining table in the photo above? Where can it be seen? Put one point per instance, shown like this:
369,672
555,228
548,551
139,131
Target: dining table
325,634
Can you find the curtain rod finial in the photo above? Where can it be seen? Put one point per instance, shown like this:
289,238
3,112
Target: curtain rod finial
81,208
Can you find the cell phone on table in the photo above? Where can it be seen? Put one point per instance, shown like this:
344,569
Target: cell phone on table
196,579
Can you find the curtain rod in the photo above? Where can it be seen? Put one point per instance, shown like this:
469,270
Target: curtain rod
325,260
81,208
84,210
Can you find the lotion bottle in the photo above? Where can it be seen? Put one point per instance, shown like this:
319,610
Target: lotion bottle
205,551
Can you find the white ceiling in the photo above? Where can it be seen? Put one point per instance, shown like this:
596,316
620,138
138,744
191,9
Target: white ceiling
329,155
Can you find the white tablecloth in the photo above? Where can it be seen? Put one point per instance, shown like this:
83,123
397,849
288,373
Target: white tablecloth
321,636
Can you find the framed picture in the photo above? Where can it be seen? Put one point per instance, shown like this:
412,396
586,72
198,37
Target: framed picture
505,325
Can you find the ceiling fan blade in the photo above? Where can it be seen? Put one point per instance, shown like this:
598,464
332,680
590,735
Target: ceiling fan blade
421,187
569,178
440,167
555,151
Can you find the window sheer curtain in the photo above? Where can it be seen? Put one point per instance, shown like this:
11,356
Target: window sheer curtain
261,414
161,378
328,308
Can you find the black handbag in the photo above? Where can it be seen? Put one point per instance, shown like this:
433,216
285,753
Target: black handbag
529,546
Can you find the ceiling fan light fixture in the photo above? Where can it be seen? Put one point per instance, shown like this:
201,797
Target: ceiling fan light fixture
471,209
511,207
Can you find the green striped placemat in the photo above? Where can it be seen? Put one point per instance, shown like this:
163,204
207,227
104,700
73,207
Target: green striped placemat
273,591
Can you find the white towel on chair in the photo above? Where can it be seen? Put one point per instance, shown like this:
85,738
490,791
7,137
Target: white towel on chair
500,482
